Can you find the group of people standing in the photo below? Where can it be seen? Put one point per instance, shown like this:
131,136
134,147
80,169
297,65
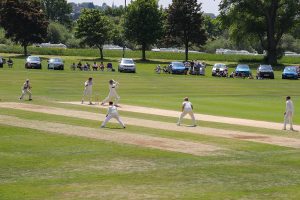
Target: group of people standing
113,100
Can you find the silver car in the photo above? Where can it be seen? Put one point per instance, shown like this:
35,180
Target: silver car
56,63
127,65
33,62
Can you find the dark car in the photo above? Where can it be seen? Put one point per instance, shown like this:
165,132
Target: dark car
177,68
33,62
290,72
56,64
264,71
242,70
2,62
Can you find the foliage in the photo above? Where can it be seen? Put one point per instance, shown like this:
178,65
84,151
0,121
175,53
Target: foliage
213,27
94,29
143,23
24,22
58,11
58,33
265,20
185,24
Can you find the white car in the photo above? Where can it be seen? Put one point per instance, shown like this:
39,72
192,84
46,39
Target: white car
219,69
127,65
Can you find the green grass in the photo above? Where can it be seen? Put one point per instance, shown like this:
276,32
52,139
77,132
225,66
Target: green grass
40,165
37,165
137,54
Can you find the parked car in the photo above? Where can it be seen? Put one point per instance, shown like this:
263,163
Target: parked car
290,72
127,65
219,69
242,70
264,71
177,68
56,63
33,62
2,62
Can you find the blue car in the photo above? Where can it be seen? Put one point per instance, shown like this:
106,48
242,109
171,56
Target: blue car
177,68
290,72
242,70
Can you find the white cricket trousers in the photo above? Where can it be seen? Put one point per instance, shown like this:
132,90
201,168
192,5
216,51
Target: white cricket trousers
114,98
184,113
24,92
109,117
87,93
288,118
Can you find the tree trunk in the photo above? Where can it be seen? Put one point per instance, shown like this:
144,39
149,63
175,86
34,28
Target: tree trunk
186,51
272,42
101,52
143,52
25,49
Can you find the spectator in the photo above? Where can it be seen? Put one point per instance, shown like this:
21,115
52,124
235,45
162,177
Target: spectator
101,66
10,63
73,66
95,66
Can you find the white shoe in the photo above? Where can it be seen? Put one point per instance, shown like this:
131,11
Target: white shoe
178,124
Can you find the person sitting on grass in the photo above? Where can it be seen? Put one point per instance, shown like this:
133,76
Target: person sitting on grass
95,66
101,66
10,63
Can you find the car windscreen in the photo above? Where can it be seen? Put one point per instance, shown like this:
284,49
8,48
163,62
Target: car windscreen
178,64
265,67
34,59
55,60
128,62
242,67
290,69
218,66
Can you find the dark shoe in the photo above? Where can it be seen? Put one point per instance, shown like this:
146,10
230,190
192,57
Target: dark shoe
30,99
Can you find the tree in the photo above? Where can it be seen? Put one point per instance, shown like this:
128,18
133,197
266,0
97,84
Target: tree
143,23
185,24
24,22
58,11
58,33
266,20
94,29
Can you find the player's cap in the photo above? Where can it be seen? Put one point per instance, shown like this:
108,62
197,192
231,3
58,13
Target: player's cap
186,99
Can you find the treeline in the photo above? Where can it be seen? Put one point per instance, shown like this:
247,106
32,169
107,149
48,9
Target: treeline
269,26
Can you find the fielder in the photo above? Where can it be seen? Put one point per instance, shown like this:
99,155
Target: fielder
88,89
112,112
187,108
113,95
26,89
288,114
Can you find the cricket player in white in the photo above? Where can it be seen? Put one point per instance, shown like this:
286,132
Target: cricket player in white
112,112
113,95
26,90
187,108
289,112
88,89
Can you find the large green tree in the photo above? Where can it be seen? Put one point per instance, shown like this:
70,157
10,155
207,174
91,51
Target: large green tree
185,24
58,11
94,29
143,23
266,20
24,21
